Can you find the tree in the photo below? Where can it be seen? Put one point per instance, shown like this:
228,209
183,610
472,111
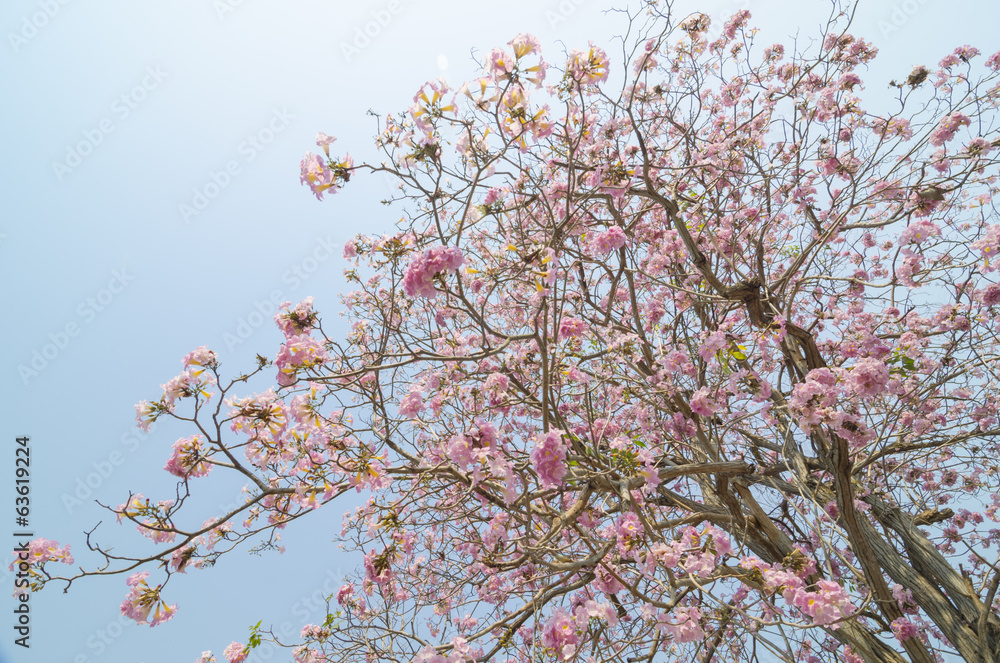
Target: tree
696,361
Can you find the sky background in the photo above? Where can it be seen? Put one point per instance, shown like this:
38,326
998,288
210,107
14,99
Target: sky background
115,115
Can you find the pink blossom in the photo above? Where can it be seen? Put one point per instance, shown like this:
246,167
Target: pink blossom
826,605
559,634
296,353
685,625
316,174
344,593
428,655
499,64
628,532
702,404
919,231
993,62
524,44
303,654
606,242
314,632
990,296
720,540
903,628
378,567
572,328
988,245
588,67
411,405
236,653
591,609
419,278
548,458
496,386
181,559
146,413
811,398
736,22
188,459
696,23
324,176
848,81
206,657
297,320
143,600
947,127
187,384
867,378
43,550
201,357
712,345
324,141
493,196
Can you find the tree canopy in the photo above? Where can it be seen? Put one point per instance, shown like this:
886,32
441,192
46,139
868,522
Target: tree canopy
681,354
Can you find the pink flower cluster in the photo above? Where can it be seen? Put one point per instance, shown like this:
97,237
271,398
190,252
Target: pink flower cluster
588,67
867,378
347,598
685,625
41,551
736,22
628,532
461,652
572,328
324,175
182,559
946,129
605,242
501,66
307,655
201,357
236,652
903,628
411,405
143,603
187,384
419,278
298,320
548,458
296,353
988,245
826,603
559,634
188,459
919,231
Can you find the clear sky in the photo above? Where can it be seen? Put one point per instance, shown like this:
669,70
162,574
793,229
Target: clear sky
117,114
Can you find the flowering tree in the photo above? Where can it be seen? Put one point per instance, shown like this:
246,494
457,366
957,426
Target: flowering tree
695,360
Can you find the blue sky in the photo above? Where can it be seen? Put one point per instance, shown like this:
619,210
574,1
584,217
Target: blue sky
123,119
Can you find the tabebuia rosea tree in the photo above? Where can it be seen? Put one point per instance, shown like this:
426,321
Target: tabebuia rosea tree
689,354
